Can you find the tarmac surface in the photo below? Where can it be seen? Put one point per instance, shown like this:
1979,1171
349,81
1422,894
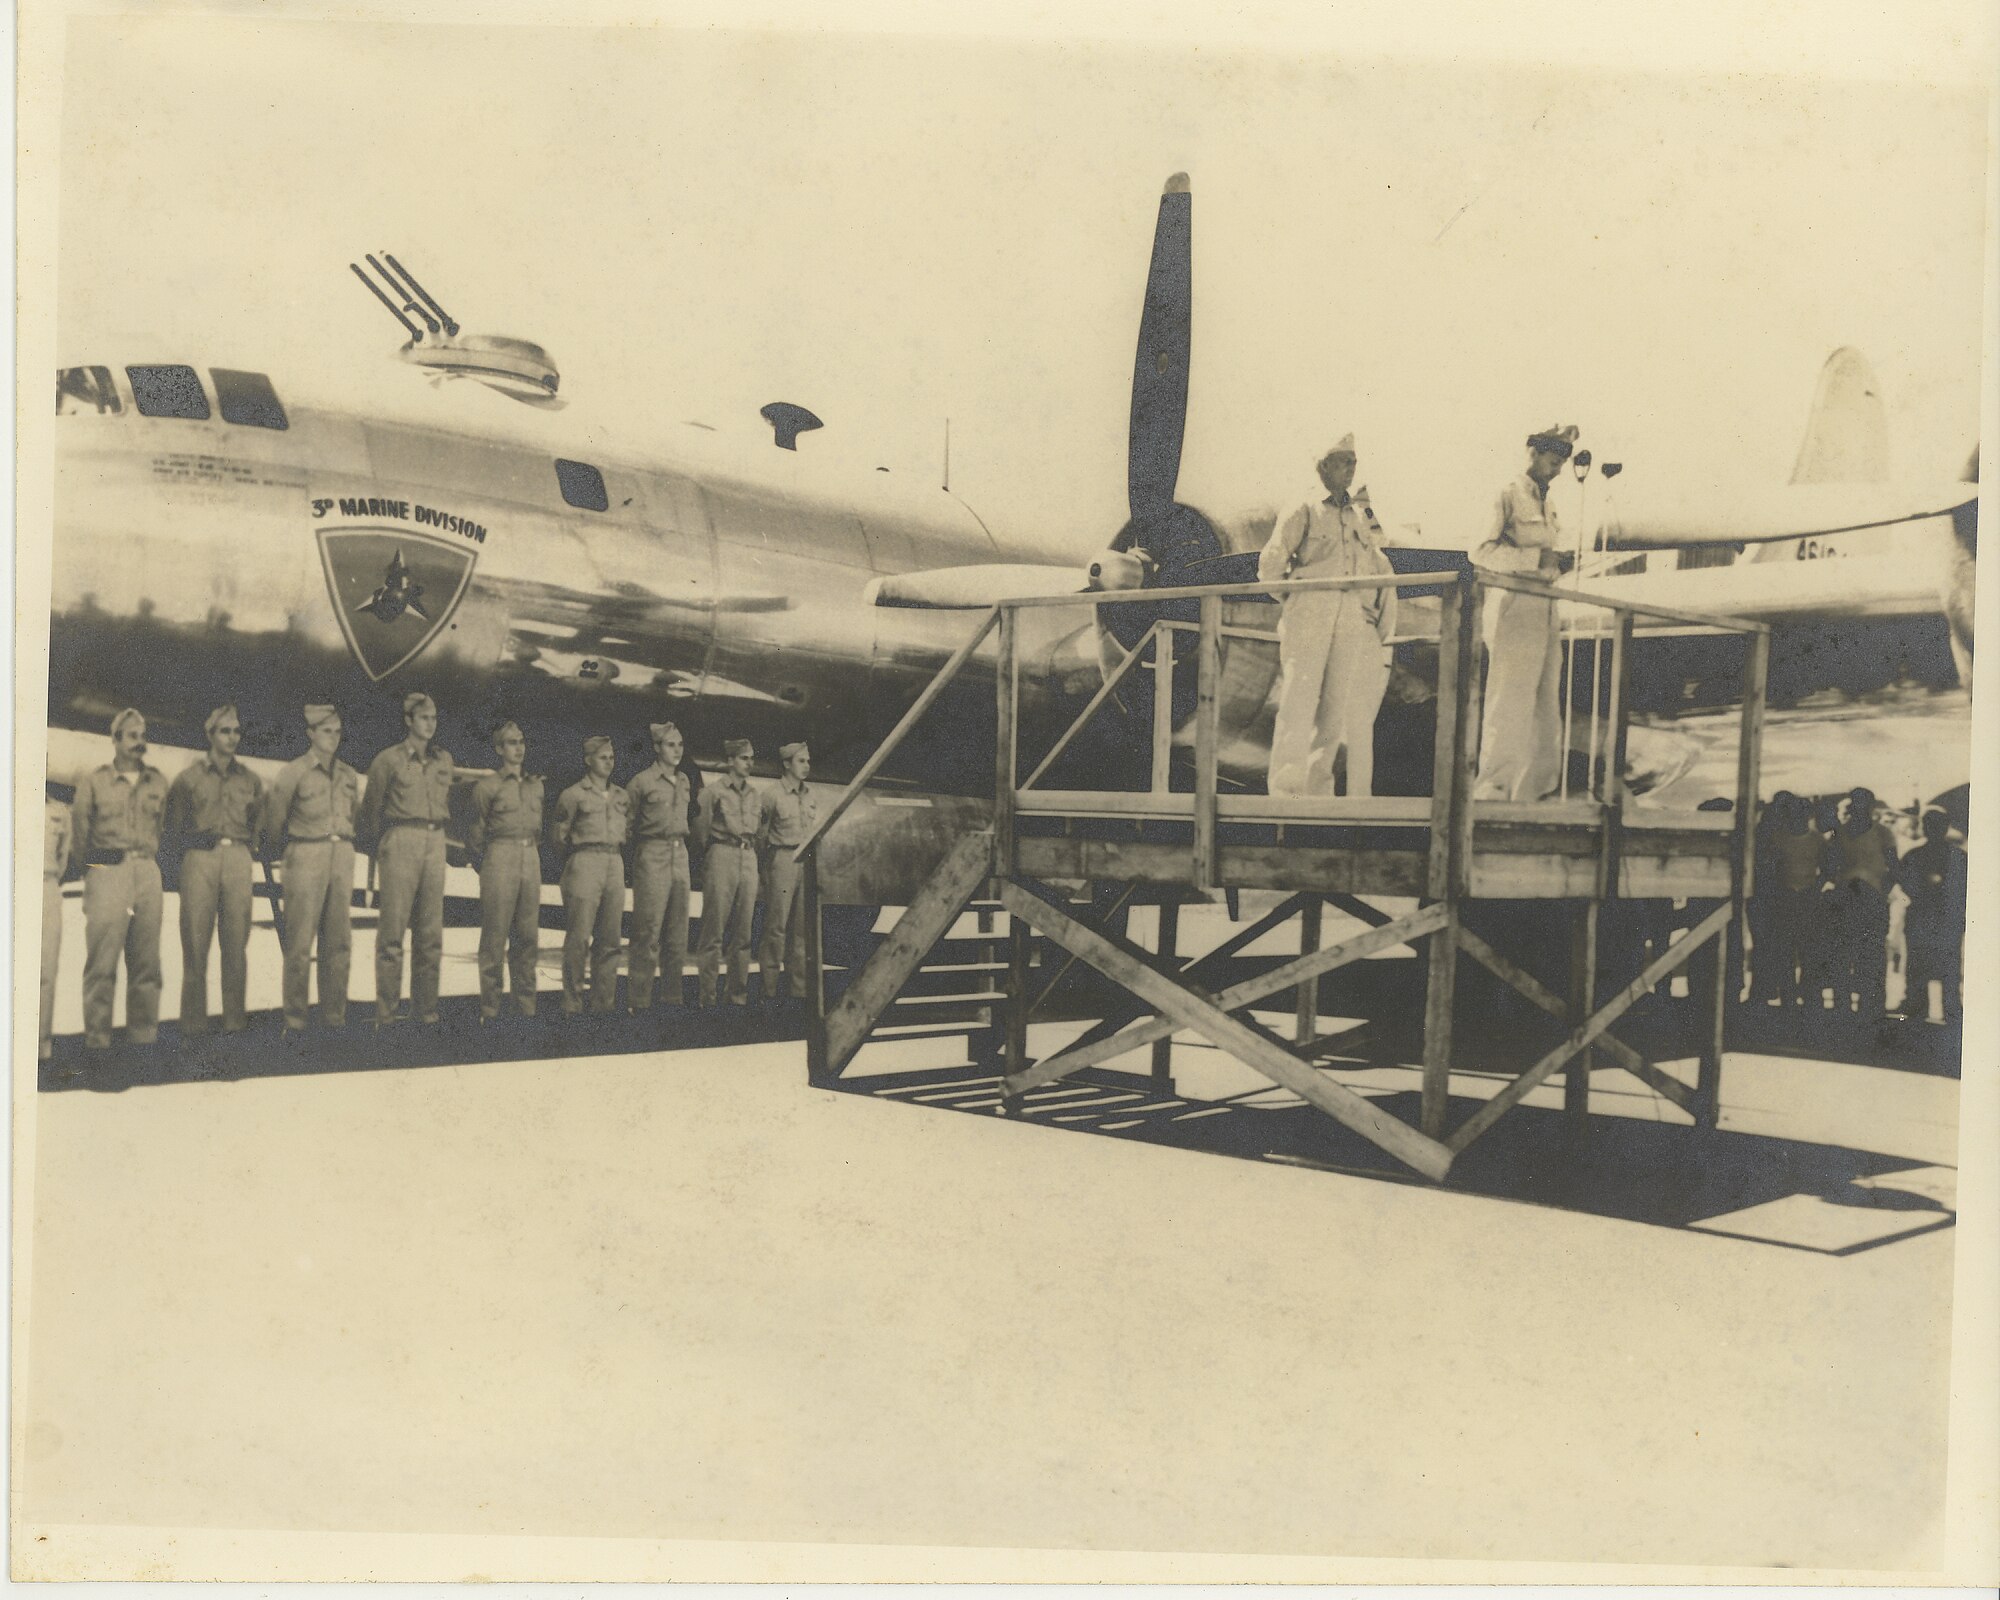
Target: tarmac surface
636,1278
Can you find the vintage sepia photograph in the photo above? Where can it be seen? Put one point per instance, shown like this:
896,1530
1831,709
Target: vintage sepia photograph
930,794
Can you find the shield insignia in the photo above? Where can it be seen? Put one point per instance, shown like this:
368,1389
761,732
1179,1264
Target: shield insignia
393,591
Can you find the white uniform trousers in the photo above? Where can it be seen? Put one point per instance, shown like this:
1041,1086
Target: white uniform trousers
1520,755
1333,670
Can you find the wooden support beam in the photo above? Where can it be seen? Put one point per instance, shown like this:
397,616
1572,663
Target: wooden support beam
1589,1033
1207,739
1535,992
1583,916
1708,992
1124,898
1018,955
1188,1010
1167,950
1306,1014
922,924
1359,910
1404,929
1448,873
1163,709
816,1067
1007,715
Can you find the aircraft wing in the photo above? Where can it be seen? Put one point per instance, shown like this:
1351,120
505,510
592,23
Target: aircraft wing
1653,519
973,588
1841,587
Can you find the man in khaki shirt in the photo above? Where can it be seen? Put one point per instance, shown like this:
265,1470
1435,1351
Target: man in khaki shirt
505,841
590,826
214,809
309,817
115,828
788,817
727,823
403,822
660,883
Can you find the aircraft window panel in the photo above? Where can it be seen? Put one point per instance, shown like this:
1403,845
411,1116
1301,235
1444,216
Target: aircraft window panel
93,389
789,529
582,485
247,398
168,391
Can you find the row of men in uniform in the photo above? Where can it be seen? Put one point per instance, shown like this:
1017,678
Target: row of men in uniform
220,818
1333,644
1820,913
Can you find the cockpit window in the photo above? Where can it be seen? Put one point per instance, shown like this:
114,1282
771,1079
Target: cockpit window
582,485
168,392
247,398
87,388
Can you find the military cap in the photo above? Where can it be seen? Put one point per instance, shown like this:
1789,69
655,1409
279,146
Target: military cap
662,729
1343,446
597,742
737,747
315,715
127,715
506,730
796,748
416,700
1557,439
215,716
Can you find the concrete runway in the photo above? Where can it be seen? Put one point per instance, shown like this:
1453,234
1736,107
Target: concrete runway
680,1294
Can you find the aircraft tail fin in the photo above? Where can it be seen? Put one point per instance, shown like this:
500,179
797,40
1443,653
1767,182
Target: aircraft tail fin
1847,434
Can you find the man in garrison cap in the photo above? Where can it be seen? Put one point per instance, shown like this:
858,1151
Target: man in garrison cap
660,883
309,817
591,823
1333,652
1520,755
788,817
403,822
505,841
214,810
726,825
115,829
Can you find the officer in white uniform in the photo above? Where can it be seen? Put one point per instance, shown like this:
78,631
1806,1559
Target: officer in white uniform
1333,655
1520,754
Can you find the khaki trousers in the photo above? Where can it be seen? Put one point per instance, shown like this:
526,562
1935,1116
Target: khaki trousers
784,924
409,867
510,912
51,953
593,891
121,915
215,899
1520,735
319,896
660,889
728,902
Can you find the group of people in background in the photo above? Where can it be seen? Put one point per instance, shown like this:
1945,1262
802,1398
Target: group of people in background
1820,910
221,822
1333,644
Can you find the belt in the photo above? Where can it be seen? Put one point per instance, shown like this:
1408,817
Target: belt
115,858
321,838
512,838
214,841
735,844
579,849
411,822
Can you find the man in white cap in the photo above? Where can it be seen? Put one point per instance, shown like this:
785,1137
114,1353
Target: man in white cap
309,815
214,810
1520,756
788,817
505,842
1333,652
660,883
726,825
403,823
591,823
115,826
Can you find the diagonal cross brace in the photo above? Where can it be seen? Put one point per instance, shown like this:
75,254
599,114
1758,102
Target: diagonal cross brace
1189,1010
1591,1031
1289,976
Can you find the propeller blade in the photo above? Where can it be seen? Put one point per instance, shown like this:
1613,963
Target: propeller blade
1160,369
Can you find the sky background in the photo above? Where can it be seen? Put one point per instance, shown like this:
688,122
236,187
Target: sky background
1436,255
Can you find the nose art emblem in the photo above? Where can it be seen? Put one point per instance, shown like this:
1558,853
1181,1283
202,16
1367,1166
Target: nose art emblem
393,591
